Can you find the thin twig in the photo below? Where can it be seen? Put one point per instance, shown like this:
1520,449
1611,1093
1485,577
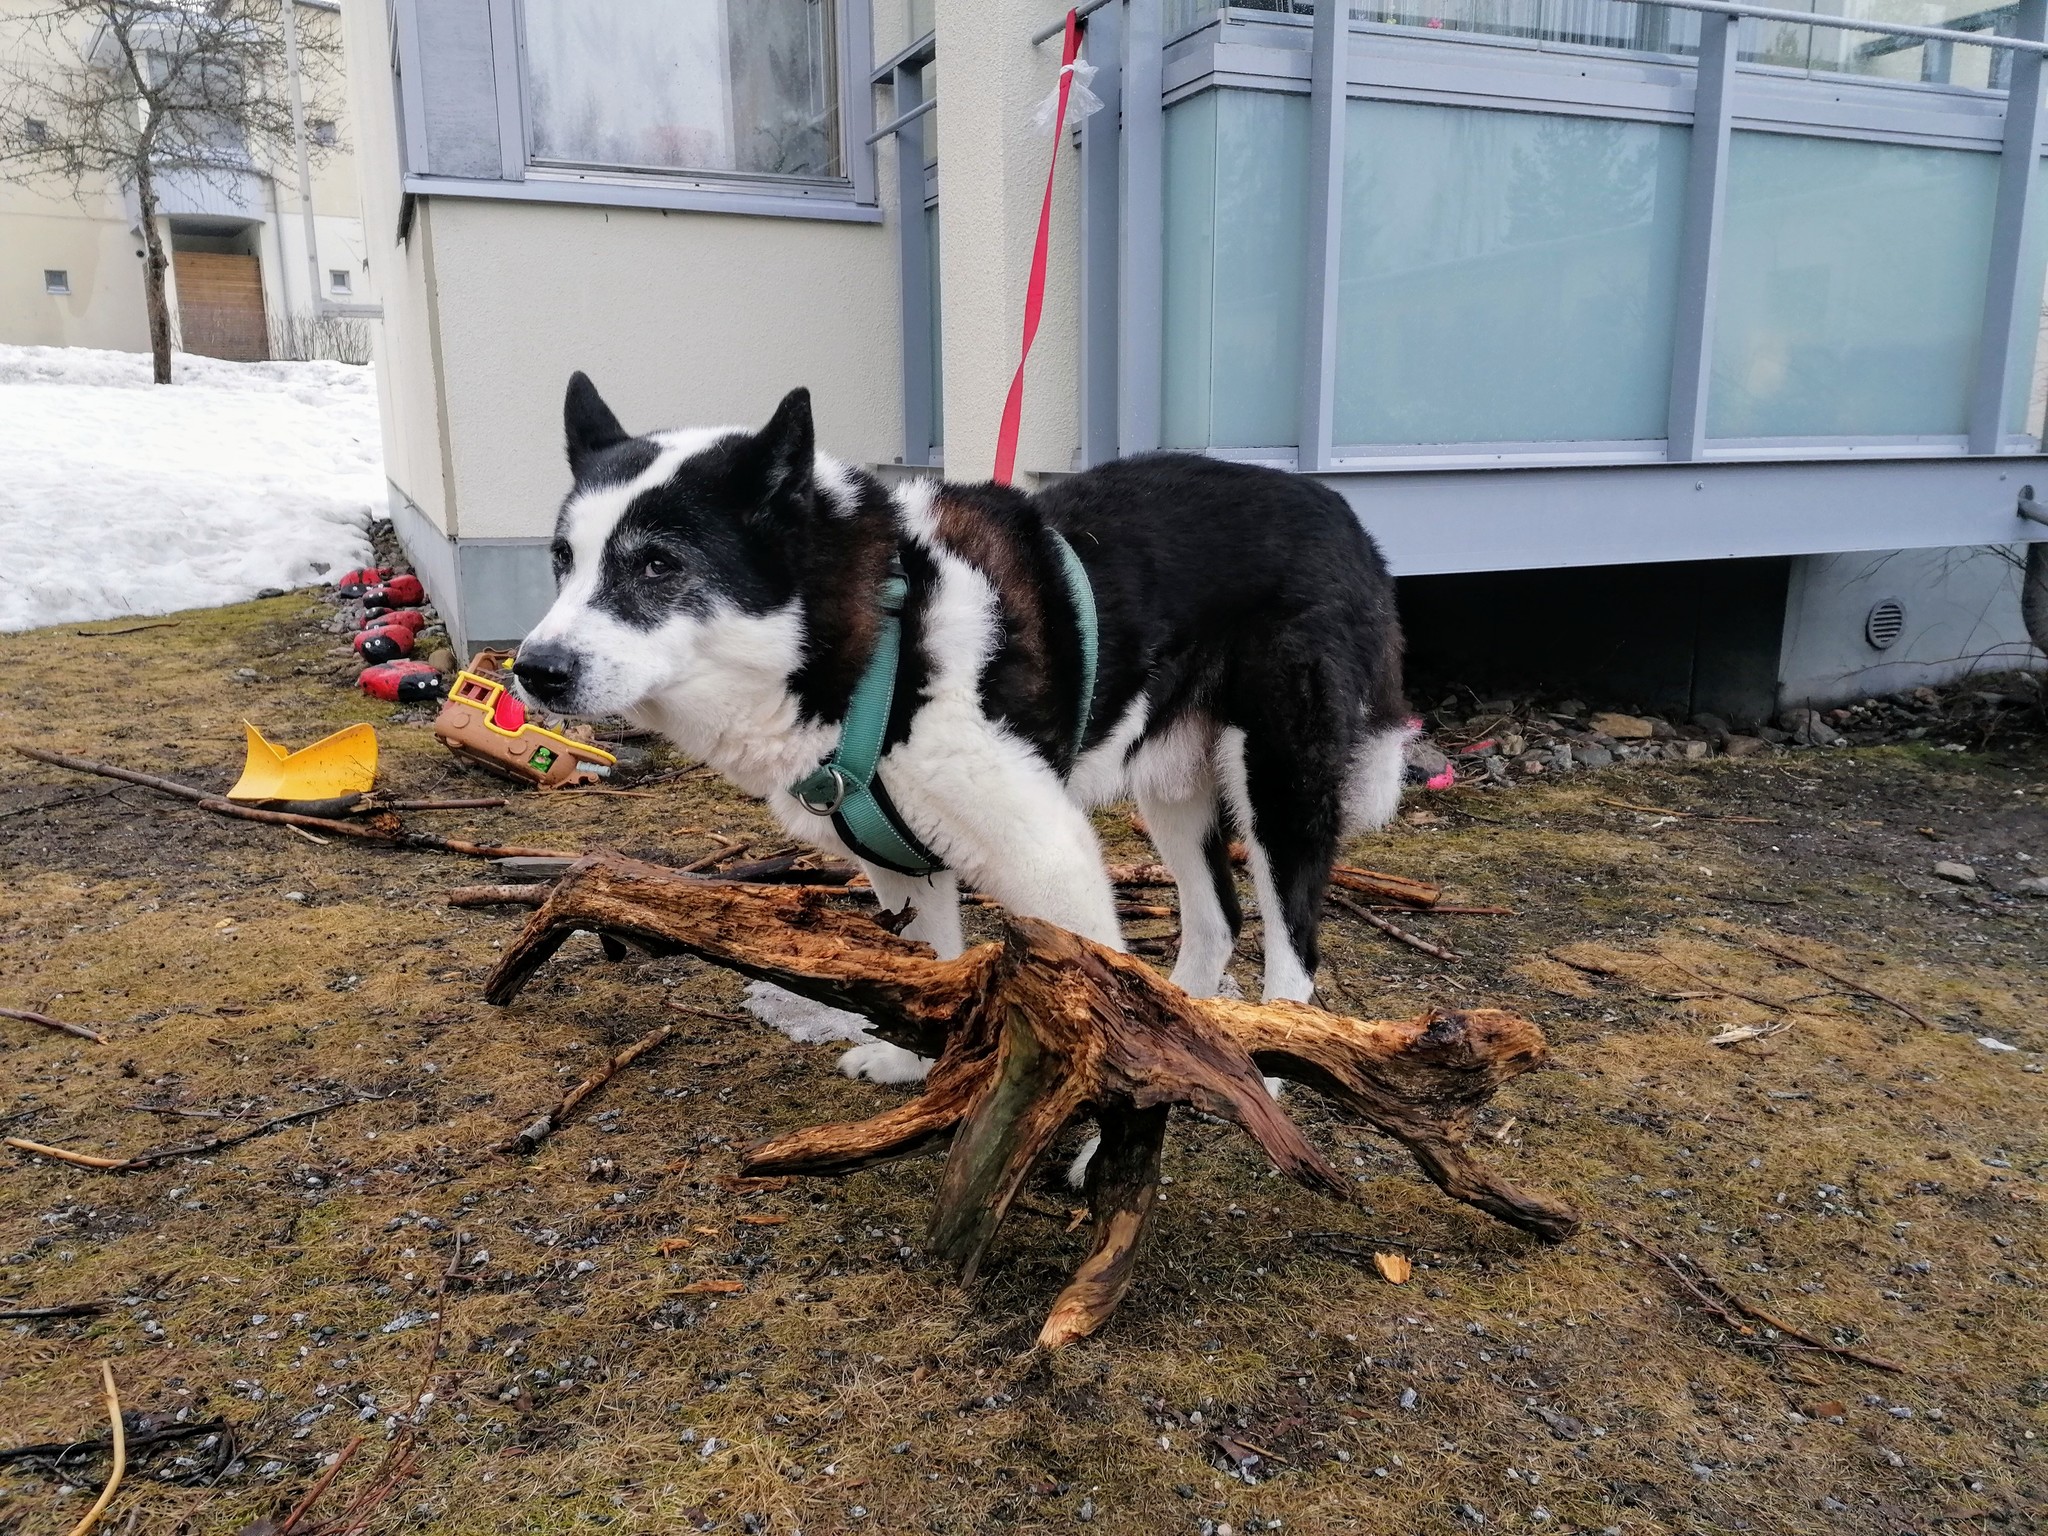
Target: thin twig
77,1159
326,1481
170,1154
1847,981
57,1452
68,1309
92,1516
1723,1303
499,895
221,807
1664,810
707,1013
30,1016
732,850
1456,911
546,1124
189,1114
605,789
1722,986
311,837
485,803
1373,919
131,629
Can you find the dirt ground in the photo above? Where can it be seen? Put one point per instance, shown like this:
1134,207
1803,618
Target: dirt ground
1874,1181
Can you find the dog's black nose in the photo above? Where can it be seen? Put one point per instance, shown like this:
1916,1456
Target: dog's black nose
548,672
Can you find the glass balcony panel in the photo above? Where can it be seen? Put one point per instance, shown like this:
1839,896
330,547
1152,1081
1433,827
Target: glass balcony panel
2024,374
1236,215
1506,276
1632,28
1829,50
1581,23
1851,288
1179,17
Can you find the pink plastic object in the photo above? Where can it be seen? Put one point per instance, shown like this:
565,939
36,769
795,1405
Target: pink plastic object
508,714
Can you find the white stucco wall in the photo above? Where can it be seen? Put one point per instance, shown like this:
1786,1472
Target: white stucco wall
1962,615
408,377
104,307
991,181
682,319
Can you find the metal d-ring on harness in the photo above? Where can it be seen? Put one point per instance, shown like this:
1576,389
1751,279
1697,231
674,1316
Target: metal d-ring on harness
846,786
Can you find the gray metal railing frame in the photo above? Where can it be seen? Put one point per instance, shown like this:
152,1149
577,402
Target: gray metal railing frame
1123,345
903,74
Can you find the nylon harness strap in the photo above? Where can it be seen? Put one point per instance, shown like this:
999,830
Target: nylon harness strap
847,786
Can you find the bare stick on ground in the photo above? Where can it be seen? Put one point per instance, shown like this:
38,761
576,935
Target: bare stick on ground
498,896
549,1121
1391,930
1717,1299
327,1478
1045,1027
1377,885
372,831
99,1508
30,1016
170,1154
66,1309
1850,982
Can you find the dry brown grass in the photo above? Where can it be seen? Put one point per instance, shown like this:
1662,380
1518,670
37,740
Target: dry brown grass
1869,1179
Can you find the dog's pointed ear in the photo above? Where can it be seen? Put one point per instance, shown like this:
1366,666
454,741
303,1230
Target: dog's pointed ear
588,423
789,446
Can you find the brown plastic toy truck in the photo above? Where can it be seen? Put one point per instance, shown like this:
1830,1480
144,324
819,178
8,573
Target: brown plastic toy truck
482,721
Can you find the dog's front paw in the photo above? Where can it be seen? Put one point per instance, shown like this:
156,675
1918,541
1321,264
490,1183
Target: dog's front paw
880,1062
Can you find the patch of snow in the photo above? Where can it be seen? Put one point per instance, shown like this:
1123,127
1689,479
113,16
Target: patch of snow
1992,1043
122,497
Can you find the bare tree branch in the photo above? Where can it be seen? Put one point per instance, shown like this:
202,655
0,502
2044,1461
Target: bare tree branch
119,95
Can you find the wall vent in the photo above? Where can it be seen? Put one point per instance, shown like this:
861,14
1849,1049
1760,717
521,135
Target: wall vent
1885,622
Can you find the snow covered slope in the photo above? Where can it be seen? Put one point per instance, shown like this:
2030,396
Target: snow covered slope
120,497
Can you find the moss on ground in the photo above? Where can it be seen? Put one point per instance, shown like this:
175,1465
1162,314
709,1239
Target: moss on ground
1871,1179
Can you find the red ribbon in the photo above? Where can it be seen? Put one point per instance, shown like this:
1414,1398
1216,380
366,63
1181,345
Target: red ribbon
1034,290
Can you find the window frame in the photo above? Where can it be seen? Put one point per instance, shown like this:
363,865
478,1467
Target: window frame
851,198
61,288
345,283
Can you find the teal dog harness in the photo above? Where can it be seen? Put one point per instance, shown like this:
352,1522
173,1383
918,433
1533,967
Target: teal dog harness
847,786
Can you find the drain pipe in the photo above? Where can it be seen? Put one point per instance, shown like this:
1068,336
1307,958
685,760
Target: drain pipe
2034,584
291,68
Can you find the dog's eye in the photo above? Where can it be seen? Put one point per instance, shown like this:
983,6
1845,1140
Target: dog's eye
658,569
560,554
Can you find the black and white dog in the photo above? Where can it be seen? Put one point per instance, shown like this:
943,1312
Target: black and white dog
720,587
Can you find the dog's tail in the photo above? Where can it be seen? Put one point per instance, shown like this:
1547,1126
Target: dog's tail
1379,769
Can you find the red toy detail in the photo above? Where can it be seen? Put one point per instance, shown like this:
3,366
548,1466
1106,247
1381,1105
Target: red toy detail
402,682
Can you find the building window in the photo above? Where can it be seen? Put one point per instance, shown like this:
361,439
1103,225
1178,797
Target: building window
337,280
56,280
744,87
321,131
35,131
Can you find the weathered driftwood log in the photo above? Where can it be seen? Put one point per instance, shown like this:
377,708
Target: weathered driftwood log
1046,1027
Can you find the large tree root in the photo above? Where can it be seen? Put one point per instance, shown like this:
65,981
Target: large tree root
1046,1027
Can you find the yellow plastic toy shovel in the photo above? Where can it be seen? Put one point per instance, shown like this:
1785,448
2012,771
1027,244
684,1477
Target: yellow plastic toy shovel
332,768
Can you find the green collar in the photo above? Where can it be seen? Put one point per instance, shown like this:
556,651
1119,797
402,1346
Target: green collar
847,787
